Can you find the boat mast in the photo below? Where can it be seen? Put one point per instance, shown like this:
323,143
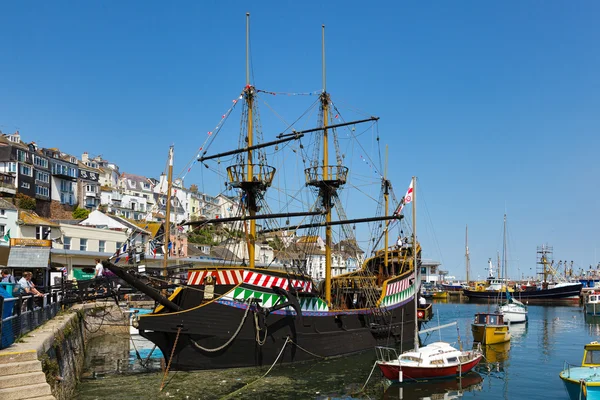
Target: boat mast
386,191
327,193
467,260
504,252
249,94
168,213
415,266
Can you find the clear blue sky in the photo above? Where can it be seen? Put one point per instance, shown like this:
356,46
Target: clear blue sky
493,105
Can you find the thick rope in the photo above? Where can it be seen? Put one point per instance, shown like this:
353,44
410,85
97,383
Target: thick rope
306,351
372,369
258,340
239,328
287,340
162,384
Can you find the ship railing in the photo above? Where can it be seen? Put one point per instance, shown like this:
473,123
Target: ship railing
238,174
23,313
336,175
567,367
386,354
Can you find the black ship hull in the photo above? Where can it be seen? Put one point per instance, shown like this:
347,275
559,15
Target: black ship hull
243,326
562,294
311,338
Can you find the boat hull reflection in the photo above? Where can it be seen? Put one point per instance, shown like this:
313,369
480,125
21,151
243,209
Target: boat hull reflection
451,388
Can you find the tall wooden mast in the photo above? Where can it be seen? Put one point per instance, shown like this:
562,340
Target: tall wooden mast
167,238
249,92
386,197
327,196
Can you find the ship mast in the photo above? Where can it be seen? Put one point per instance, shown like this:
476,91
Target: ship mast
504,253
386,192
249,94
168,213
327,193
467,259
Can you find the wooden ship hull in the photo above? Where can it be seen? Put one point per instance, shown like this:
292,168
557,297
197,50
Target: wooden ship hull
235,328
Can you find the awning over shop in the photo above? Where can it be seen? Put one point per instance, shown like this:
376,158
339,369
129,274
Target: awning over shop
29,257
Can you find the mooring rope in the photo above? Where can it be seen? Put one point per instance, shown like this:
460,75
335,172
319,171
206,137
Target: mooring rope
306,351
162,384
287,340
239,328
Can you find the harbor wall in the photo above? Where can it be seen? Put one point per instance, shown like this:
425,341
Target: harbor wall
61,343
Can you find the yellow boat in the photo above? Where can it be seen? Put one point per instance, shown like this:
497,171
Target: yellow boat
489,328
439,295
583,383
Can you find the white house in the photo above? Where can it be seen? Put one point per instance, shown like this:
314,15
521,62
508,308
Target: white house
8,221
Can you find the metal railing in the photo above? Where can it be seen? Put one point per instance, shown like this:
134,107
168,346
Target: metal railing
24,313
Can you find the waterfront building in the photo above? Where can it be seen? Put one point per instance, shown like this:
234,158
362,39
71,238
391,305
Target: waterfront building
88,193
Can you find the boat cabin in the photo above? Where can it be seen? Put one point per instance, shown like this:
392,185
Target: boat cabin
489,319
594,298
591,355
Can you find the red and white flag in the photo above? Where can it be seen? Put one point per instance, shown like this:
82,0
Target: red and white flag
406,199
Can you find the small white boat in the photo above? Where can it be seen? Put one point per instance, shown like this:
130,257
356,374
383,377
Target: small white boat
592,304
434,361
513,310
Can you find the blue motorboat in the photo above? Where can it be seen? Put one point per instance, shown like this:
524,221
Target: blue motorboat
583,383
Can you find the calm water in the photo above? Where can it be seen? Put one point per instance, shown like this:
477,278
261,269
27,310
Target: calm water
526,369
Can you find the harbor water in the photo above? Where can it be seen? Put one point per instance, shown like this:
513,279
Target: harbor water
527,368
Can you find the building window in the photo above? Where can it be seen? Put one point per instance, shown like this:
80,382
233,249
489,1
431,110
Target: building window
2,230
42,232
21,156
66,186
12,167
25,185
119,246
67,243
102,246
26,170
41,162
423,270
42,191
83,244
42,176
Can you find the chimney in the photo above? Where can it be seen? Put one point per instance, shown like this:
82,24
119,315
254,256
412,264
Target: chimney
85,157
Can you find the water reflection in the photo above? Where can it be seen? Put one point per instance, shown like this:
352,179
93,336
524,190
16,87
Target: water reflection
496,353
518,331
435,389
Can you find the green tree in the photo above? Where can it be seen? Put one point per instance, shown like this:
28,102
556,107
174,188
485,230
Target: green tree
80,213
202,236
25,202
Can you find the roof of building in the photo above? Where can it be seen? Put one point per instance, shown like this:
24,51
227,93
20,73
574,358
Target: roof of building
223,253
28,257
152,227
7,205
128,224
308,239
31,218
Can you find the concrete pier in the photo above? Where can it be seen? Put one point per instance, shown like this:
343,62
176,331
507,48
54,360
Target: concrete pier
48,362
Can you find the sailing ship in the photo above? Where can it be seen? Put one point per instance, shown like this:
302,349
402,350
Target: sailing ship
244,313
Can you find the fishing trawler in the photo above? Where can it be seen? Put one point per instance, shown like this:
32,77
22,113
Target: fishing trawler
246,313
